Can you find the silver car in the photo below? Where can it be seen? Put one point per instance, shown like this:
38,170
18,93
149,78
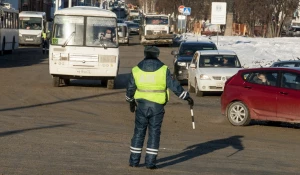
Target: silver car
209,70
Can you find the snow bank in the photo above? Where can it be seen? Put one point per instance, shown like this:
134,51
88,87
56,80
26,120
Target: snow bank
256,52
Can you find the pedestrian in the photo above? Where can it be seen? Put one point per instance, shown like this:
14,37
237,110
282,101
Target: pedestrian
198,25
97,4
147,91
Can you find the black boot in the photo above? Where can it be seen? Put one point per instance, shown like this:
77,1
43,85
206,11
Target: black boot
153,167
134,159
150,161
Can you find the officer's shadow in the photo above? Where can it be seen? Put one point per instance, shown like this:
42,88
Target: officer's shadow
202,149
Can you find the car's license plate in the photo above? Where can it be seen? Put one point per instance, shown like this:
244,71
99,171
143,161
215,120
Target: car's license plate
29,39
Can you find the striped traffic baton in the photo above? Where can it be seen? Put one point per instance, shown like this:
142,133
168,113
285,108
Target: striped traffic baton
192,114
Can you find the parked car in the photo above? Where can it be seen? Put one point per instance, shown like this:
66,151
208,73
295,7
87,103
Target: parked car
177,39
123,33
270,94
133,28
137,20
119,20
183,57
127,22
294,31
291,63
210,69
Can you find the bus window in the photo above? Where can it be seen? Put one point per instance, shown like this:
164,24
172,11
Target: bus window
68,30
101,32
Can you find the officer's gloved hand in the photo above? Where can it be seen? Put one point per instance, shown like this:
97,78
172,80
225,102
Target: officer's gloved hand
132,106
190,101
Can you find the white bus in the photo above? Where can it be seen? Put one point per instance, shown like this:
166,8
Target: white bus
9,29
31,27
84,45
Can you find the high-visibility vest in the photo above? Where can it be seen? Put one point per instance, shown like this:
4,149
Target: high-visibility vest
151,86
44,35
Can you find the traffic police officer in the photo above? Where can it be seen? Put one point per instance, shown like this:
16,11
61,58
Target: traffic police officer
148,89
45,40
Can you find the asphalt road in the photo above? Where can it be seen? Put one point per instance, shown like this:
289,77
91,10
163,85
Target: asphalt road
85,128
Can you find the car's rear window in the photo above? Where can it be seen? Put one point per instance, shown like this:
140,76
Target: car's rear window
190,49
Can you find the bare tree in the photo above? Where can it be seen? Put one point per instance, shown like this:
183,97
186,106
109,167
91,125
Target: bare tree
269,13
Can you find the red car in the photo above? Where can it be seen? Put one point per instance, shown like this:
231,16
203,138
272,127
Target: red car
271,94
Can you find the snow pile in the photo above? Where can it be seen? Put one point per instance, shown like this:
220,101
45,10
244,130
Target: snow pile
256,52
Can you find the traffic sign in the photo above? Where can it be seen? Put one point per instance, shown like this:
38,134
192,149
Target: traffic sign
180,8
218,13
186,11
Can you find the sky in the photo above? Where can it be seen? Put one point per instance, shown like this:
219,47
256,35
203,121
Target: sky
14,3
256,52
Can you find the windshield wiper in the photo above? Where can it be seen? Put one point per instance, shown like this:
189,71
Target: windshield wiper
68,39
102,44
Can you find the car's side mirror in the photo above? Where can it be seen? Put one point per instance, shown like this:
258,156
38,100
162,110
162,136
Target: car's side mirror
174,52
193,65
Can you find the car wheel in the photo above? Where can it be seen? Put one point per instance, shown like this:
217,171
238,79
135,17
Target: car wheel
190,87
3,47
198,92
238,114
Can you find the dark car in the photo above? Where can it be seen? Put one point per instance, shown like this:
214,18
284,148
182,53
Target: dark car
294,31
133,28
120,20
270,94
184,55
291,63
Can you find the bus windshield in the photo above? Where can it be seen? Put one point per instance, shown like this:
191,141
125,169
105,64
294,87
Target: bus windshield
31,23
101,31
157,20
69,30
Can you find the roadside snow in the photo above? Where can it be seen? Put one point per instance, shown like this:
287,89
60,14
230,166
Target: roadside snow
256,52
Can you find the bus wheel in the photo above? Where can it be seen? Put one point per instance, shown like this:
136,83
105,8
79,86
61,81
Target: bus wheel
13,45
104,83
56,81
67,82
110,84
3,47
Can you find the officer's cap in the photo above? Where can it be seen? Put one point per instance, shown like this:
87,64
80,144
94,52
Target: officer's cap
151,52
